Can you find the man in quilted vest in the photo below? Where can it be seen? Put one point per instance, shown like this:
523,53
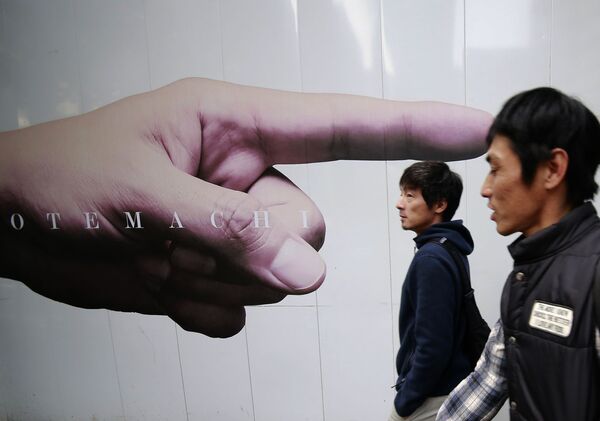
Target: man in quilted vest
543,151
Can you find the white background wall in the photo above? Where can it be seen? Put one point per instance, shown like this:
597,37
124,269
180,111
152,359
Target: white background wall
325,356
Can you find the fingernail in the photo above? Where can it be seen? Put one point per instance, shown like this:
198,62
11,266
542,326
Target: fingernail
298,266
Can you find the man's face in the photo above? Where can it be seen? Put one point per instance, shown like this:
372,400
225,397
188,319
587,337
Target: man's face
516,207
415,215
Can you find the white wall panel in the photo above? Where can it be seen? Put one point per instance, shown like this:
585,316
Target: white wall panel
508,50
575,58
356,246
112,49
356,350
21,393
147,356
423,50
184,40
7,321
260,43
285,363
340,47
8,113
216,375
340,51
56,361
39,63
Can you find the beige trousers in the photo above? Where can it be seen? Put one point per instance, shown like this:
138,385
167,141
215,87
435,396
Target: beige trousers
426,412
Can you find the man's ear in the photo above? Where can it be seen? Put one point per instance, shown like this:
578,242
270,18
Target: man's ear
440,206
556,168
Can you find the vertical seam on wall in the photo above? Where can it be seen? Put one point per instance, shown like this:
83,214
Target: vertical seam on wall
77,55
320,357
381,71
387,191
144,8
4,50
551,42
249,371
82,109
223,77
467,179
300,74
221,40
187,413
150,84
465,50
112,341
308,185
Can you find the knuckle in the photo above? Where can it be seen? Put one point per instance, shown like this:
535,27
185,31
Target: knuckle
193,261
220,322
240,223
227,326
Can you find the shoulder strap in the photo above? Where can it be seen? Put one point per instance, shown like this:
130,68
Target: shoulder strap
457,257
597,295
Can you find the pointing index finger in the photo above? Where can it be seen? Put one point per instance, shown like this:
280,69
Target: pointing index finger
296,127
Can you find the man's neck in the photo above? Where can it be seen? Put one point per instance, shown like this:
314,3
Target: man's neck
555,208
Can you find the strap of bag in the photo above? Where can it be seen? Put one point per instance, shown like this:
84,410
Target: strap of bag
596,295
456,256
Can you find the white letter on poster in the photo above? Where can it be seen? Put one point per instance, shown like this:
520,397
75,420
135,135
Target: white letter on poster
131,223
91,221
304,218
213,220
257,219
14,224
51,217
176,220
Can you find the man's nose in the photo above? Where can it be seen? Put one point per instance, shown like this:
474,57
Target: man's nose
486,189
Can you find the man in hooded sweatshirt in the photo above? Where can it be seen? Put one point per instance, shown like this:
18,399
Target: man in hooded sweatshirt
431,360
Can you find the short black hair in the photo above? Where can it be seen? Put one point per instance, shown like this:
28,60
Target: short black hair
541,119
436,182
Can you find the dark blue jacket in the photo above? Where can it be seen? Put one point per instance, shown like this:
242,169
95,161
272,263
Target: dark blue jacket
431,360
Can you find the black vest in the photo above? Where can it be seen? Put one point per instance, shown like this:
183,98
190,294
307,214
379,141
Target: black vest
548,320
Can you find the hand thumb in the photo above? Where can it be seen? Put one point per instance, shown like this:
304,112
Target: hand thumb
234,226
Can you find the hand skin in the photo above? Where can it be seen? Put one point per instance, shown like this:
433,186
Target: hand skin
199,148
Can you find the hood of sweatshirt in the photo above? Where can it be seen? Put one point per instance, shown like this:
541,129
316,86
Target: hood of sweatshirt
454,231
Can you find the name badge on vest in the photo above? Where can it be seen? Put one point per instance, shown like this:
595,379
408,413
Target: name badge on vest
551,318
